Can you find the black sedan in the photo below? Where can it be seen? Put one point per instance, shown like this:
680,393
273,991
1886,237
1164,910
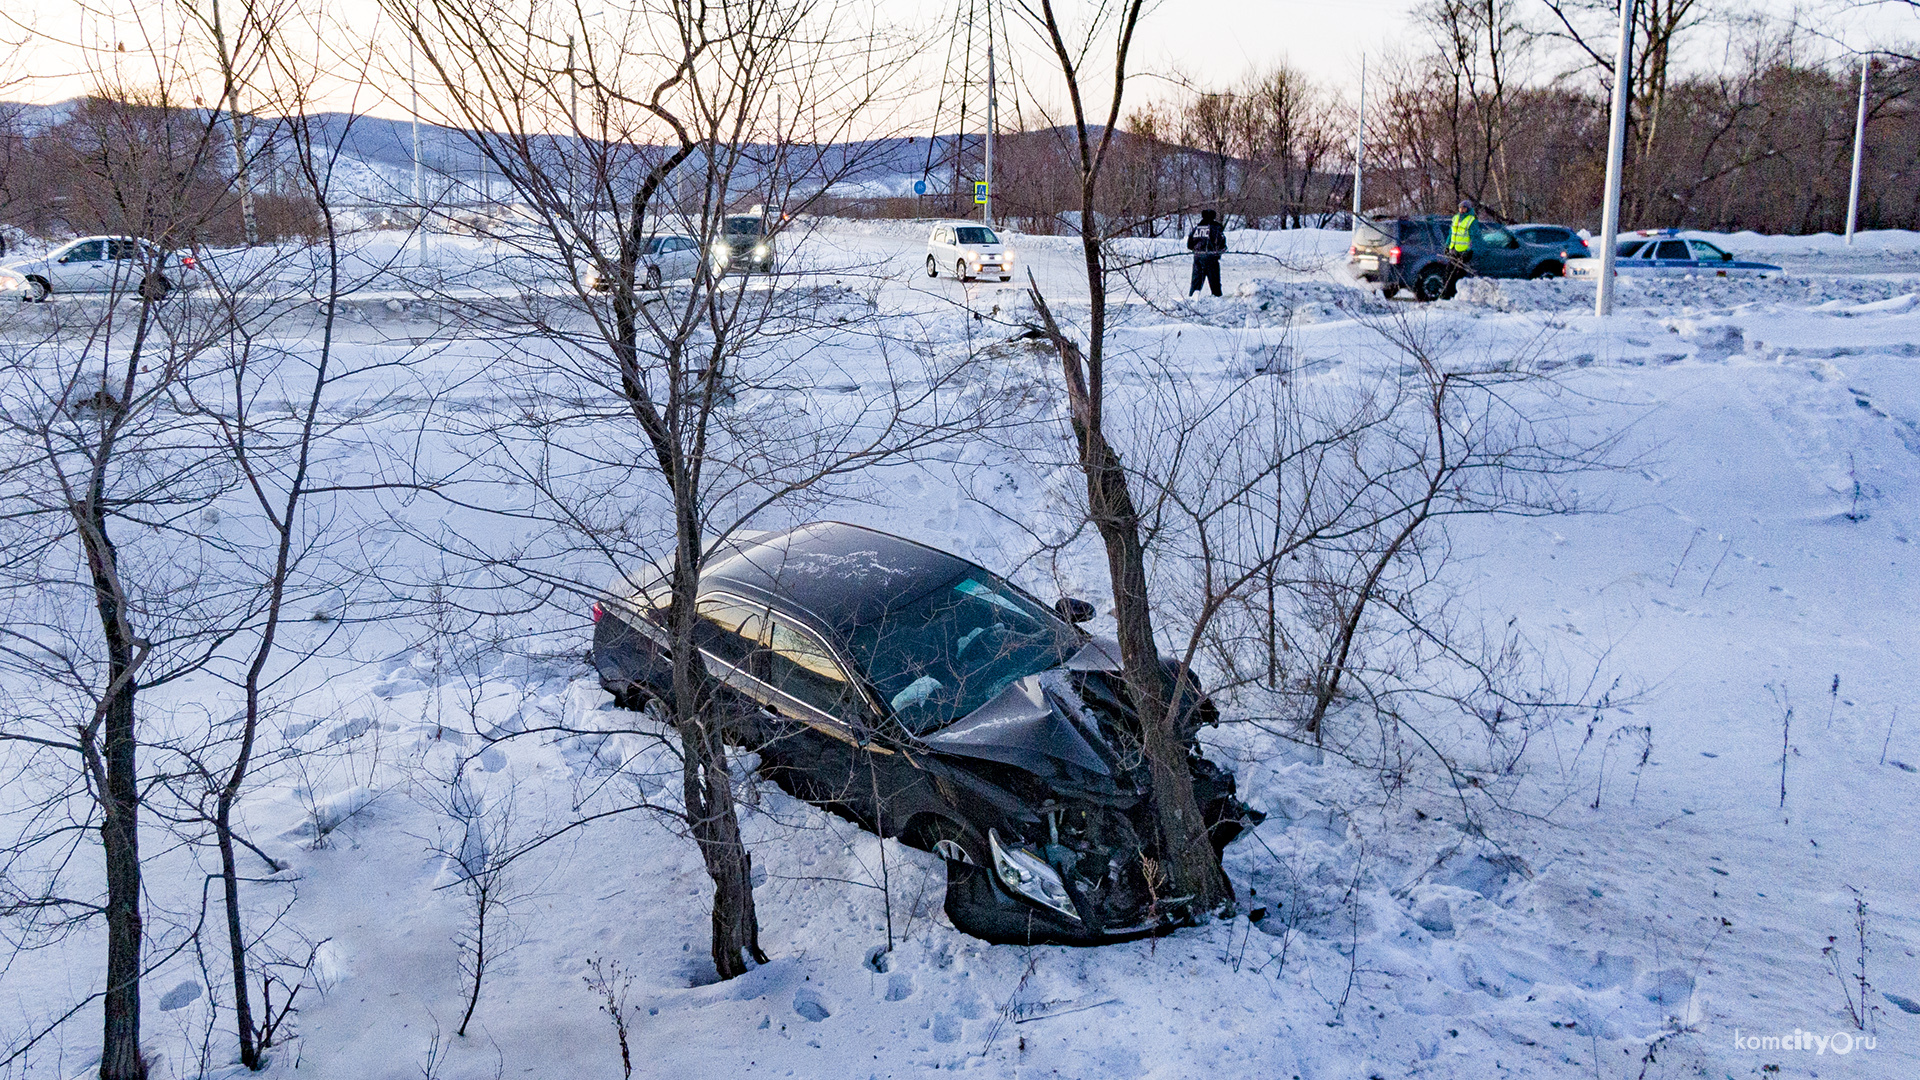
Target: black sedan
930,700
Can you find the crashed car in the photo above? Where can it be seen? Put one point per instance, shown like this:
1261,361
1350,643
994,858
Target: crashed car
930,700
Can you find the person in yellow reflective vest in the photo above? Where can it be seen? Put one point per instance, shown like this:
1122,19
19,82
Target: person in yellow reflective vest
1460,244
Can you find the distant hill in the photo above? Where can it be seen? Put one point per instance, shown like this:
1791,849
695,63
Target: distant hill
376,156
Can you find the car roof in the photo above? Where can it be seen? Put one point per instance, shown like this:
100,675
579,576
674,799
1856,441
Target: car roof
839,575
963,221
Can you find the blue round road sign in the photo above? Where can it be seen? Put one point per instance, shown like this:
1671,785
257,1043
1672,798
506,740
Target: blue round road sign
919,187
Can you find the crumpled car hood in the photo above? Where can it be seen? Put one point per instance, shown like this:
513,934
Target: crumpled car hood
1021,726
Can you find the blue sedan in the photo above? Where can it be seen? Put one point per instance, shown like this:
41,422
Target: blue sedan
1665,254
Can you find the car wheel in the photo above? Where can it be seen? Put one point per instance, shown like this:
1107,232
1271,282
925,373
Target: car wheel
632,697
38,290
1431,283
155,287
945,838
933,268
1389,291
960,269
1545,270
653,277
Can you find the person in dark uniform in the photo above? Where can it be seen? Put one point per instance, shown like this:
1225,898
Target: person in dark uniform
1207,240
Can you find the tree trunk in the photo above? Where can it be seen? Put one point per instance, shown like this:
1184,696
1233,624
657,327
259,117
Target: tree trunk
1187,858
119,796
706,786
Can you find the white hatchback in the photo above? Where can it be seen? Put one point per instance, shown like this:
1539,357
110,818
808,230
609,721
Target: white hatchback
969,249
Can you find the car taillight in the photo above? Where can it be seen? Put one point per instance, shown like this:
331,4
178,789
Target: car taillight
1393,254
188,261
597,612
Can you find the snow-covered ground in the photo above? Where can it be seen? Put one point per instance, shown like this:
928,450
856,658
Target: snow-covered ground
1646,908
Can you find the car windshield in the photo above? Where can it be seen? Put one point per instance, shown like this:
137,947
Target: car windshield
976,234
948,652
651,246
743,226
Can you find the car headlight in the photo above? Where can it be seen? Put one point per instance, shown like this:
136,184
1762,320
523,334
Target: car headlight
761,251
1026,874
12,281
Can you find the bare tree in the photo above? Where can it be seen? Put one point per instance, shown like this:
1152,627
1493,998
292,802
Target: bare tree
1191,867
686,110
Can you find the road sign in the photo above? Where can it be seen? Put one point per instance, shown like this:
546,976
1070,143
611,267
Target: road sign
979,193
919,187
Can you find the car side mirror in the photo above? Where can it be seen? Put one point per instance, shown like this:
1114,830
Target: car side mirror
1726,256
1073,609
65,258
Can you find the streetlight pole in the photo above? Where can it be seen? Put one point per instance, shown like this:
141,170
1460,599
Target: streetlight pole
1360,138
1859,143
1616,162
419,181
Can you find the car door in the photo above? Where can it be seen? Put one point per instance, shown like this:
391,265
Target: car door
127,264
1672,256
1496,253
678,259
80,268
856,769
1709,259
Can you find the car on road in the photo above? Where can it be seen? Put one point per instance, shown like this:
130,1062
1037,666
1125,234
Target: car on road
931,700
1666,252
745,244
1411,253
104,264
969,249
661,259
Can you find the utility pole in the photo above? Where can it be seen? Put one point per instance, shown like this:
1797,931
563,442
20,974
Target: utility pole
1859,144
419,180
1359,139
1616,162
993,106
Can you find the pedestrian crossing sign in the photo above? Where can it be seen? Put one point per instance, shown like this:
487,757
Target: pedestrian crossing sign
979,193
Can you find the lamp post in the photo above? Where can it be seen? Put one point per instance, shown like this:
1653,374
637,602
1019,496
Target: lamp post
1359,139
1859,143
1616,161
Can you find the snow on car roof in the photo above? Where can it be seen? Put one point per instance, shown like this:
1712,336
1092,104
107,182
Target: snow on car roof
843,575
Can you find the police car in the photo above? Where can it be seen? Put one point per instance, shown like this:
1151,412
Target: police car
1665,252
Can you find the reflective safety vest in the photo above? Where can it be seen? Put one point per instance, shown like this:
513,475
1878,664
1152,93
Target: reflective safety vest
1462,237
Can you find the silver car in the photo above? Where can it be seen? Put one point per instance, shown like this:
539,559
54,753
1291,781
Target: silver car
103,264
662,259
970,248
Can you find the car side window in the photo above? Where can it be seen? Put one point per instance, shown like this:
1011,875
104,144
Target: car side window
1672,249
122,250
91,251
734,633
1705,251
803,669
